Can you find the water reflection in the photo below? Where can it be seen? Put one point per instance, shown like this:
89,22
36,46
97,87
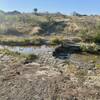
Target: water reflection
30,49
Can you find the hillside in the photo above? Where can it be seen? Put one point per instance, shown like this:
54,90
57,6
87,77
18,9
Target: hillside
16,23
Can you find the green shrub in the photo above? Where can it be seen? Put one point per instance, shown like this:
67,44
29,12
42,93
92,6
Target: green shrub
97,38
30,58
55,41
83,32
97,65
89,47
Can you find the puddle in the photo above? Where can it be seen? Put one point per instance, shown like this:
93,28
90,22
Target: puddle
29,49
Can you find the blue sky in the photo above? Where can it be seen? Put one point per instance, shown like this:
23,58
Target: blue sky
64,6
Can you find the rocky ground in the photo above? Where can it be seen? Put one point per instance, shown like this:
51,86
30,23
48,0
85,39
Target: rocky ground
49,78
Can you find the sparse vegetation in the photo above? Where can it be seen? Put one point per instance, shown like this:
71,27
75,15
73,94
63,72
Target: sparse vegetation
72,76
56,40
17,41
97,65
97,38
7,52
30,58
18,24
92,47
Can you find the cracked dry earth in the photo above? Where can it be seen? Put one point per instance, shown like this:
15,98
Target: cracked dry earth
47,79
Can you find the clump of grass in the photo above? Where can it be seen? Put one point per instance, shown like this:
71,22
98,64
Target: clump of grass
34,40
56,40
89,47
86,35
27,58
97,65
8,52
38,41
15,41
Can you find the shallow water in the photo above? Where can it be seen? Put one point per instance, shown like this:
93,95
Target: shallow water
75,58
30,49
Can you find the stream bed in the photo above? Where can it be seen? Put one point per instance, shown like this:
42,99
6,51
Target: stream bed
45,52
29,49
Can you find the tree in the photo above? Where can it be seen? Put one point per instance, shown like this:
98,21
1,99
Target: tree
35,10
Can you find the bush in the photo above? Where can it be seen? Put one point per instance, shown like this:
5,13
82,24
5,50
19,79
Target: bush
55,41
89,47
97,65
97,38
30,58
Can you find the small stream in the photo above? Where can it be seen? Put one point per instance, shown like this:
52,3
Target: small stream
29,49
44,51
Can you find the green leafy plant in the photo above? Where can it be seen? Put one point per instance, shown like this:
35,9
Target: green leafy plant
89,47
